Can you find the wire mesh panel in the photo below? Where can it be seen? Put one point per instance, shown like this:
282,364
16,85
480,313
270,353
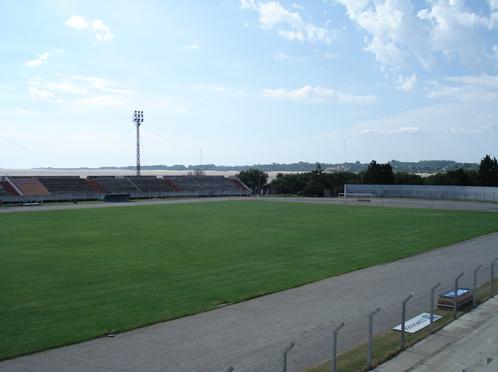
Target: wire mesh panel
426,191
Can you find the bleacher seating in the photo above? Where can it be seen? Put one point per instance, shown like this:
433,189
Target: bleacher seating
238,185
115,185
150,184
52,188
185,183
7,187
29,186
65,184
212,185
216,184
3,192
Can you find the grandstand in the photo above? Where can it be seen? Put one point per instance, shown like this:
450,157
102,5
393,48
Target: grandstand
65,184
115,185
28,186
150,184
8,189
3,192
72,188
185,183
208,185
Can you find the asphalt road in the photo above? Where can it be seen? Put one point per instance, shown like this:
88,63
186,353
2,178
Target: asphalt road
250,336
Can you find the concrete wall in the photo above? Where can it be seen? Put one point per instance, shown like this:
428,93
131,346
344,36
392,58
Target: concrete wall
427,191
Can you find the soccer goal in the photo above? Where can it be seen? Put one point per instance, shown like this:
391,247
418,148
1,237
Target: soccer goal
357,196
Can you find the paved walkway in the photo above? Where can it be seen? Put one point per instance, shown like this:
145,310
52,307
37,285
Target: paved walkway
251,335
468,344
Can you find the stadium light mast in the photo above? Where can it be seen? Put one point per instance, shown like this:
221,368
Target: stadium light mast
138,118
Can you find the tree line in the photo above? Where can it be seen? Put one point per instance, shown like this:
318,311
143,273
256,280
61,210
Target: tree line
321,183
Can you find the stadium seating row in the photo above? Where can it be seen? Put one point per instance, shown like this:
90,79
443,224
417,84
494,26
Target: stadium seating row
135,186
3,192
65,184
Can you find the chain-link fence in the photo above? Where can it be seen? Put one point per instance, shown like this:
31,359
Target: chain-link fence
475,193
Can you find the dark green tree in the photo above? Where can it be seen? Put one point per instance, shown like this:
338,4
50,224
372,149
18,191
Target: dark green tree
291,183
255,179
488,172
404,178
316,182
313,183
378,173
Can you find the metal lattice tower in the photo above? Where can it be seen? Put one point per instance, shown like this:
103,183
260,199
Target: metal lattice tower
138,118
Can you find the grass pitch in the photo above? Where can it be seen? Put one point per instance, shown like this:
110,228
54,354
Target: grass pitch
68,276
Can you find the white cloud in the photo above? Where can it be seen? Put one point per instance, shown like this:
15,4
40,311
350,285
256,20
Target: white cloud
461,131
455,29
95,82
79,90
41,58
397,131
280,56
248,4
394,29
318,94
399,34
101,32
102,100
465,88
78,23
6,87
67,87
288,24
42,94
407,83
218,88
171,106
192,47
330,55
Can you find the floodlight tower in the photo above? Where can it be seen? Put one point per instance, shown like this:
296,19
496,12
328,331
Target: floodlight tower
138,118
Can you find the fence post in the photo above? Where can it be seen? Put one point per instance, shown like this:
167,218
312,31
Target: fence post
475,286
493,277
286,351
455,295
334,347
370,336
433,289
403,316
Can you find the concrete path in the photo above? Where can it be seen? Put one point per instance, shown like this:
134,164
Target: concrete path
468,344
251,335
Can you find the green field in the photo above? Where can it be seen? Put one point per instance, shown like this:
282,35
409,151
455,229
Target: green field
67,276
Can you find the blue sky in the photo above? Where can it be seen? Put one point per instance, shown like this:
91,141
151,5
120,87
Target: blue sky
247,81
